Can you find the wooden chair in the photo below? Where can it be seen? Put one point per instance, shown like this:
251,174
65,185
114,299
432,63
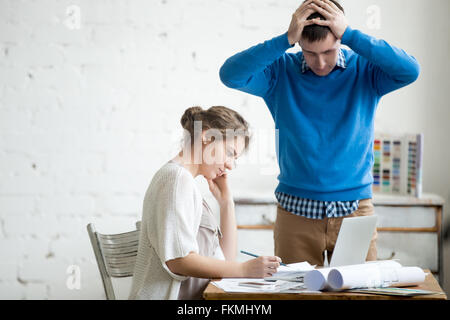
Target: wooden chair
115,255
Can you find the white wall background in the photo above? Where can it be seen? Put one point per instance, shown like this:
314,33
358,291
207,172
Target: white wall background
90,109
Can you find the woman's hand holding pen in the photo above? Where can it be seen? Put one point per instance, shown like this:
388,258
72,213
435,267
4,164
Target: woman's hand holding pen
261,267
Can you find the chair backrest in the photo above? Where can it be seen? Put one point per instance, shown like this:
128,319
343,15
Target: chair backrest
115,255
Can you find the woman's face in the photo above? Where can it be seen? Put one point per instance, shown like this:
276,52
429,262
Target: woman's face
219,156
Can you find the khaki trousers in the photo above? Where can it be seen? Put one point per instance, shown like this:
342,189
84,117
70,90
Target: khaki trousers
300,239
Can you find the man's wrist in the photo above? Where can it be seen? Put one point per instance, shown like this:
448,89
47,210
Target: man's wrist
289,44
346,36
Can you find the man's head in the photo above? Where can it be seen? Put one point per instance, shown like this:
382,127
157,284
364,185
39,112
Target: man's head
319,45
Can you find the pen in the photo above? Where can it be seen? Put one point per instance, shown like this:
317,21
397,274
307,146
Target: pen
256,256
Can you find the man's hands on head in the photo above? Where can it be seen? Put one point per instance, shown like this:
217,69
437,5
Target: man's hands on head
335,19
299,21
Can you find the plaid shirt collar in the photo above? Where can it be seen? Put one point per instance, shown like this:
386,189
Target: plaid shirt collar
340,62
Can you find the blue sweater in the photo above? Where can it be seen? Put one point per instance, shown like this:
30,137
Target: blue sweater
325,124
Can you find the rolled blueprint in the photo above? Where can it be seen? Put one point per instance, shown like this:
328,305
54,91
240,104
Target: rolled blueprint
374,276
318,279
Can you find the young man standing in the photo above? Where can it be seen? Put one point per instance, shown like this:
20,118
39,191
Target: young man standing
323,101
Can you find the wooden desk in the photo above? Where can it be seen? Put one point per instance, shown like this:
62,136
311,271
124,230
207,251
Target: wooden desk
213,293
409,228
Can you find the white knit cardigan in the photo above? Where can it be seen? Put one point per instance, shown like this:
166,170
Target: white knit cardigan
171,216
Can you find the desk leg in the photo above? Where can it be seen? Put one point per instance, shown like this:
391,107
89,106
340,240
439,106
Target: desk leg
440,244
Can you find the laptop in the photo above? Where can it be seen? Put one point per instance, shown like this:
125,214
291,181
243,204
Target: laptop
353,241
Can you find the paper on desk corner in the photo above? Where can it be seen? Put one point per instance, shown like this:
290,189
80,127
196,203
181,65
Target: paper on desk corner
279,286
232,284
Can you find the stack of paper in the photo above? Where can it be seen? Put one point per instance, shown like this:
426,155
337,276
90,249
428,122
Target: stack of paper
369,275
257,285
288,279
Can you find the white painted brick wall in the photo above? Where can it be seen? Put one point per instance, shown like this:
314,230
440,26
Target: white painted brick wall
87,115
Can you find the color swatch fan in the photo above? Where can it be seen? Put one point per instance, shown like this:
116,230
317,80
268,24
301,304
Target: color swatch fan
397,165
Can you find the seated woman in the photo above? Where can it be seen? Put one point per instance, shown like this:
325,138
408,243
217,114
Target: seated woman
181,245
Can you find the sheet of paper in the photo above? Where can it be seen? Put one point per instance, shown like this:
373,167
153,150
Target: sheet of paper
394,291
292,272
298,266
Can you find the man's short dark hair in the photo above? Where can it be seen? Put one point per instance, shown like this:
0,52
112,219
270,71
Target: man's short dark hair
315,32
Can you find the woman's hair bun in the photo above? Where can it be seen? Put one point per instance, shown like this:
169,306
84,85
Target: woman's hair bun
189,116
